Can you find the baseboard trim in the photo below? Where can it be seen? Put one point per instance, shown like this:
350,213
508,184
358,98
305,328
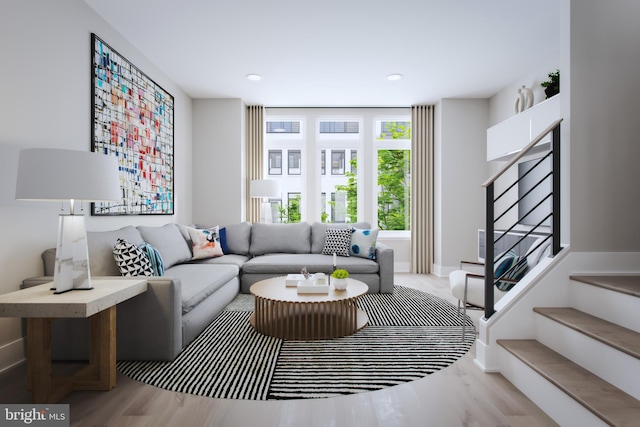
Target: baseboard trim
12,355
443,270
402,267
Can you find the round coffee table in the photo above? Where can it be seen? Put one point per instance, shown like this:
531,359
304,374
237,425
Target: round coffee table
283,313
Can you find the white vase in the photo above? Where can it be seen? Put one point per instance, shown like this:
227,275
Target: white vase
528,97
339,284
519,104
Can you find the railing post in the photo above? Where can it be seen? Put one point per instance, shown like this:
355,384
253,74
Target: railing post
489,252
555,200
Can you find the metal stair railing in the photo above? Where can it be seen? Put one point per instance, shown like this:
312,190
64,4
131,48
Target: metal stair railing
492,217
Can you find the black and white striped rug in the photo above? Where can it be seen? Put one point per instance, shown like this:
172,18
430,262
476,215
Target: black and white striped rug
410,335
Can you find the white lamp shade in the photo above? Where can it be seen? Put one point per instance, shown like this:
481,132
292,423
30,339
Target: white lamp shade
265,188
57,174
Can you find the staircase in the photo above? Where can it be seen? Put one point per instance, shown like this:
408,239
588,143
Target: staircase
583,367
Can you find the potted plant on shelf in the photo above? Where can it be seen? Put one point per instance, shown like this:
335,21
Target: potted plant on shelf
339,279
552,86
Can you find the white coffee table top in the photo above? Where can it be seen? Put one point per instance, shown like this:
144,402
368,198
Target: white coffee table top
275,289
41,302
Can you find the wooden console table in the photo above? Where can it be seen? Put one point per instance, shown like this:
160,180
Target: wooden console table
41,306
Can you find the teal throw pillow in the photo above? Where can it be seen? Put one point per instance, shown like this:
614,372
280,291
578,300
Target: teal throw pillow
512,268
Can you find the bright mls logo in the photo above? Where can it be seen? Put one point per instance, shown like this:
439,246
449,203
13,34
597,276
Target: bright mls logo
35,415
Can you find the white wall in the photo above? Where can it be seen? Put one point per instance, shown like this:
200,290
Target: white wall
459,170
605,147
45,85
501,105
218,161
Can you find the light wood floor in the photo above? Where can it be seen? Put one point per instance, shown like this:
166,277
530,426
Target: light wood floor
459,395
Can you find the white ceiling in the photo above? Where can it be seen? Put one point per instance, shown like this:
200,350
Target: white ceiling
339,52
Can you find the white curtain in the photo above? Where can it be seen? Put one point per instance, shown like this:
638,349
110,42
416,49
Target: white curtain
255,157
421,188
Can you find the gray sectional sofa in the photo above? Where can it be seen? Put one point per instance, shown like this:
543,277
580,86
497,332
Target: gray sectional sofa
179,305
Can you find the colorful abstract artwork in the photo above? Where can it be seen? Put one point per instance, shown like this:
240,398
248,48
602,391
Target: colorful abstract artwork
132,119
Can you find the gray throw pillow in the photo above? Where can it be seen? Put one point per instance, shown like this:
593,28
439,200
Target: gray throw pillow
169,242
280,238
101,244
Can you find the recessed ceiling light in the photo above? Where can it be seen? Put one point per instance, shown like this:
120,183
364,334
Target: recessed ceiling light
254,77
394,77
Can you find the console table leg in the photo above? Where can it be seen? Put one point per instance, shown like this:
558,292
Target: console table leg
44,388
100,374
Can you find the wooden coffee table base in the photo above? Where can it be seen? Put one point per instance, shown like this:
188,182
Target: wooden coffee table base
308,320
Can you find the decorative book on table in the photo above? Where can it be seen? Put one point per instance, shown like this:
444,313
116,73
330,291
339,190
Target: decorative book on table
309,286
293,279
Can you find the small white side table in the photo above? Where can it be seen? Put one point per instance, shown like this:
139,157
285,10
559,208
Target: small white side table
41,306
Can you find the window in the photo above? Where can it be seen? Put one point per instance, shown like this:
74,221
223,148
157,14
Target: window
337,162
283,127
339,127
394,130
341,165
295,157
292,212
393,194
393,174
353,162
339,207
275,162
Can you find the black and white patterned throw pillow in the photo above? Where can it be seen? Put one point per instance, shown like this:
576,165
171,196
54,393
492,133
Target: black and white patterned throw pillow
337,241
131,260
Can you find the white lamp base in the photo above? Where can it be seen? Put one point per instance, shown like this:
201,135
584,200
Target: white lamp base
265,213
72,255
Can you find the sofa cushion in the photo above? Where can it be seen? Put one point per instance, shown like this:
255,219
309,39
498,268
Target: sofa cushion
200,281
169,241
319,232
233,259
337,241
280,238
205,243
363,242
282,264
101,243
238,238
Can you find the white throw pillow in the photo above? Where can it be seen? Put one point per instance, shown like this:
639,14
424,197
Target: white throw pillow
205,242
363,243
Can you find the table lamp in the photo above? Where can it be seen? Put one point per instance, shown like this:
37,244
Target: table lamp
264,189
60,175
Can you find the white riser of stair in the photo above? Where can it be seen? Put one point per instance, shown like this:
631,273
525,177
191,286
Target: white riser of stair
558,405
610,364
615,307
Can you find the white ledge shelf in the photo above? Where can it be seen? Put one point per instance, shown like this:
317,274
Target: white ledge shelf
509,137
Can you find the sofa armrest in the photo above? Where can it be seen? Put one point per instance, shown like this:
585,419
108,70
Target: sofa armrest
149,326
35,281
384,258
